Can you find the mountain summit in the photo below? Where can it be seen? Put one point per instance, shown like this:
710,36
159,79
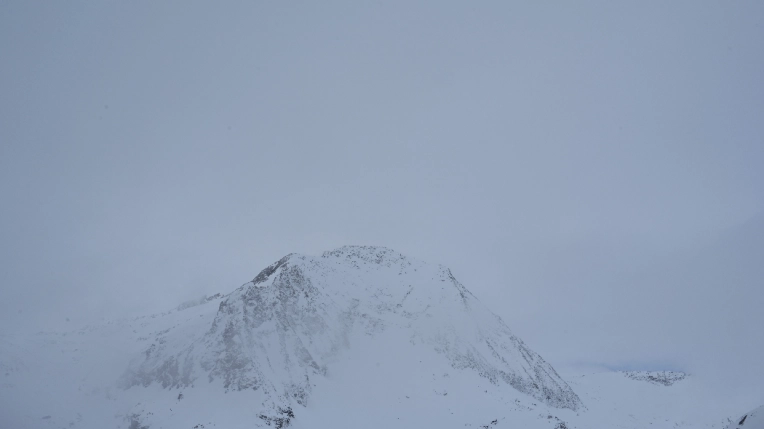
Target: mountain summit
287,330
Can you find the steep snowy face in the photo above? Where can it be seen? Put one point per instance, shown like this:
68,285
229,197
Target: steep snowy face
281,333
751,420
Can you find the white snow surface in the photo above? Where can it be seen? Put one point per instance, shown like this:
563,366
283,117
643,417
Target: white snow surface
358,337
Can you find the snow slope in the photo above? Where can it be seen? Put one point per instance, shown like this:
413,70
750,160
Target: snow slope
751,420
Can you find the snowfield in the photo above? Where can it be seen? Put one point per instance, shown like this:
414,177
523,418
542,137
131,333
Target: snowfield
357,337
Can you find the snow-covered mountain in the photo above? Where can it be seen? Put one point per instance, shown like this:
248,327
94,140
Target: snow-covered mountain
286,327
357,337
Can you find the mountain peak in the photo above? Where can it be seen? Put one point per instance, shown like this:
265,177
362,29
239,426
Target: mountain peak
268,271
283,332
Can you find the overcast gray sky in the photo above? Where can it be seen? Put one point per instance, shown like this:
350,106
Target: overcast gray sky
579,165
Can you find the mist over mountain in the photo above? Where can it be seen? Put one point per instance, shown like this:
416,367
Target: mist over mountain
584,170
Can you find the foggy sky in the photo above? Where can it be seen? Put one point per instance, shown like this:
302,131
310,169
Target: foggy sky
580,167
